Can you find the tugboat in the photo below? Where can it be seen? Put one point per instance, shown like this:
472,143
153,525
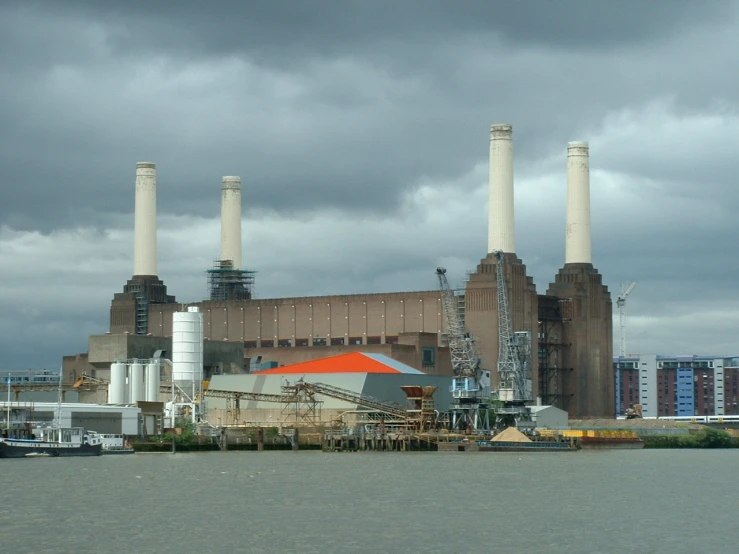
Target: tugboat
53,442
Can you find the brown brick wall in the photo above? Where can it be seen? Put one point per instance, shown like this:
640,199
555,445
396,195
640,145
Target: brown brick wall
482,309
588,379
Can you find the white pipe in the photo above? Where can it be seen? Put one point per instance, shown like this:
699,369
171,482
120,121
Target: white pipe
145,220
501,224
579,247
231,221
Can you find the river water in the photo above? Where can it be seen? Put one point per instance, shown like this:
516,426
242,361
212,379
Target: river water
645,501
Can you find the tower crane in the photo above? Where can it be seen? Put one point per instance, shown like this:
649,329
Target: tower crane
621,304
471,384
514,358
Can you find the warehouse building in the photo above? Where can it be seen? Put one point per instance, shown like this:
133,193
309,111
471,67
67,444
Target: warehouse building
371,375
106,419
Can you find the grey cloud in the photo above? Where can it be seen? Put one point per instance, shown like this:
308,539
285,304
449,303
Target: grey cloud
276,30
347,107
356,131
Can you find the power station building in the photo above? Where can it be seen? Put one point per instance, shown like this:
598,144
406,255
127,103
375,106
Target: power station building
571,326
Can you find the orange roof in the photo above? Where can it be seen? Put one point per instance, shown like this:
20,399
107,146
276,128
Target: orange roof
353,362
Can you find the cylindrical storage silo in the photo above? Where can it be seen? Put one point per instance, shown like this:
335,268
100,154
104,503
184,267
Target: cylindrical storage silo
152,381
187,347
117,387
137,382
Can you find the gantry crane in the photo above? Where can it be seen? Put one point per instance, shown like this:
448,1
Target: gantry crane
471,384
621,304
514,359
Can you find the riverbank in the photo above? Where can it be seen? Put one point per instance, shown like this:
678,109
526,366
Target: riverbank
704,438
701,438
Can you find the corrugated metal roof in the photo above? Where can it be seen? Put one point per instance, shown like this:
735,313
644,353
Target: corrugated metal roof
395,364
353,362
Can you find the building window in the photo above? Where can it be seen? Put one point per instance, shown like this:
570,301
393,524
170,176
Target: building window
429,356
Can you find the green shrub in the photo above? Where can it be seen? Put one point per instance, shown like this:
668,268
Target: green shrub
705,438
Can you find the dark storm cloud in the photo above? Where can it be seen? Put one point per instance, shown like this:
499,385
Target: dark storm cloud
384,95
279,29
362,126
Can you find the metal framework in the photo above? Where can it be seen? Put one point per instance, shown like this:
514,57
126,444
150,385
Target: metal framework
227,283
299,406
552,318
465,360
352,397
471,384
142,308
514,357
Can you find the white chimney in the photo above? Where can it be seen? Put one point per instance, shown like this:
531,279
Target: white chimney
145,220
501,227
579,247
231,221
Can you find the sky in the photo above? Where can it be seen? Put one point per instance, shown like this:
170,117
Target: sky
361,133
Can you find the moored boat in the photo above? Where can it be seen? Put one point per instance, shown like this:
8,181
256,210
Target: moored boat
52,442
115,444
608,443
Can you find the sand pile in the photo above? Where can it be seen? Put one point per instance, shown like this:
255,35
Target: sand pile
511,435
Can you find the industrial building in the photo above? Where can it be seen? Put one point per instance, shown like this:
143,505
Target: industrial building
677,385
573,369
109,419
346,377
103,350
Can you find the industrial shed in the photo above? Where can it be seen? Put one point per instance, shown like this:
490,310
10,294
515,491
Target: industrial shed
549,417
374,375
109,419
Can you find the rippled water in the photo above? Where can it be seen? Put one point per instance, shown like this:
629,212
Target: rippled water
622,501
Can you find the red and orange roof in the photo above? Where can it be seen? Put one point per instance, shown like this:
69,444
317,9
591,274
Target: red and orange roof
353,362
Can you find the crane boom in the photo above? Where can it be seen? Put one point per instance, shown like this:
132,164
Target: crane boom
621,304
513,348
465,360
471,384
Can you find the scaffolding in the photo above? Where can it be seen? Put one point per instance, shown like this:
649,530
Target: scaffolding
553,315
301,406
227,283
142,308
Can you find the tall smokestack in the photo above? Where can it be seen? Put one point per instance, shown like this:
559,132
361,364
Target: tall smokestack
145,220
231,221
579,247
501,228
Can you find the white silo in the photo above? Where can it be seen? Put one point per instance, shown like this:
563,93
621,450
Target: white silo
152,381
117,388
137,381
187,355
